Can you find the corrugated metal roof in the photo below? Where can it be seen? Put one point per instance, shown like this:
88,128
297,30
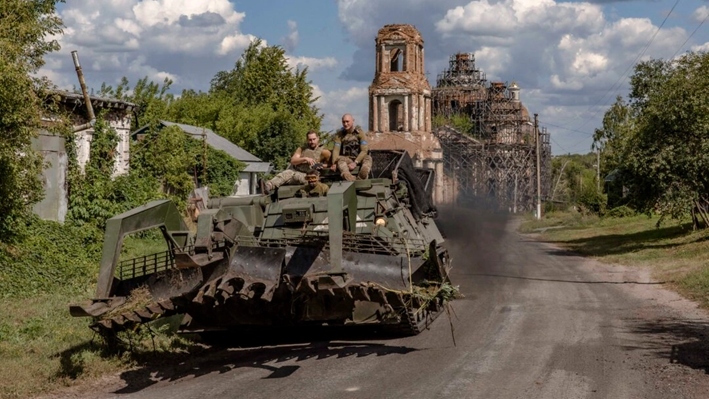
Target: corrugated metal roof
253,163
216,141
258,167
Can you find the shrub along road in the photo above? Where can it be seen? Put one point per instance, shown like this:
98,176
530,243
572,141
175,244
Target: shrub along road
537,321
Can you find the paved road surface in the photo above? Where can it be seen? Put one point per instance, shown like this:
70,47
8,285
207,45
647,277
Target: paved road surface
536,322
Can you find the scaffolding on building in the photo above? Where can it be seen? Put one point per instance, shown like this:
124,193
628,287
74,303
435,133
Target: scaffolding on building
496,160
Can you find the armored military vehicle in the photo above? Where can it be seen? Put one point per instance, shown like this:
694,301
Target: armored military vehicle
367,252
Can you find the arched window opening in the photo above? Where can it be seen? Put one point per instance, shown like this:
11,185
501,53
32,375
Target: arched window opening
396,60
396,116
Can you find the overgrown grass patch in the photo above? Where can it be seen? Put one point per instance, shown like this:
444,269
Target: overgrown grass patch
49,257
37,340
696,284
42,347
557,219
674,252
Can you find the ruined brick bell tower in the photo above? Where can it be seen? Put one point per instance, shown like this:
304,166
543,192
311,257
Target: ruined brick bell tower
400,100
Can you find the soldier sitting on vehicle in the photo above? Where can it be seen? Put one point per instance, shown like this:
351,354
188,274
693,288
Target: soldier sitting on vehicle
306,157
351,150
314,188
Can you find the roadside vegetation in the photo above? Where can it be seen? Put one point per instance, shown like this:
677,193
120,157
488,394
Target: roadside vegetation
673,251
657,153
652,206
261,105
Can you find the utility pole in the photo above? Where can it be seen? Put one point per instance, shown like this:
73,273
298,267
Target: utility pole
514,207
598,170
204,157
539,167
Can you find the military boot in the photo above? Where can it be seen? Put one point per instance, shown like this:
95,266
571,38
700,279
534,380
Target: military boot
344,169
364,172
348,176
365,168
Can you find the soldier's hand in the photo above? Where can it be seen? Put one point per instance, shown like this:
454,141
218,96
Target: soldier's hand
310,161
333,167
352,165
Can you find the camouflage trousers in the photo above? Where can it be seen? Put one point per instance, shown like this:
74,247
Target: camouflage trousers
288,176
345,172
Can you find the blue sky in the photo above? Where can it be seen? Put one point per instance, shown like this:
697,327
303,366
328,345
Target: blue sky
570,58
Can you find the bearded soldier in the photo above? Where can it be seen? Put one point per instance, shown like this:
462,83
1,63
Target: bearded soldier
351,150
305,158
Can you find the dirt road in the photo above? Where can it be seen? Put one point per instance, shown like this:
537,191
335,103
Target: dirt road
536,322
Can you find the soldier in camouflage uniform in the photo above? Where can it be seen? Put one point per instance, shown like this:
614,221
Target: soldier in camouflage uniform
314,188
304,158
351,150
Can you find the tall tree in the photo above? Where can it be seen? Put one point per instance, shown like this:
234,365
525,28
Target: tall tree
270,106
26,30
610,138
151,99
663,151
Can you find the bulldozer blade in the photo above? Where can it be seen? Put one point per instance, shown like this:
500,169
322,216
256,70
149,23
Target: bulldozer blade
96,307
312,263
260,268
388,271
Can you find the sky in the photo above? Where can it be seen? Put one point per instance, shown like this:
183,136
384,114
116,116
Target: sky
570,58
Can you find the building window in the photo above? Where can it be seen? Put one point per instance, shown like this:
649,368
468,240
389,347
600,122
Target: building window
396,116
396,60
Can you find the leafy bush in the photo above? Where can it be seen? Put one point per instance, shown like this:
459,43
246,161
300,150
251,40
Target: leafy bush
49,257
94,196
222,170
459,122
621,212
592,201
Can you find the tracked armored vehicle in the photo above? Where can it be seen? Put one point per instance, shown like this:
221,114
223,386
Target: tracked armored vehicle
367,252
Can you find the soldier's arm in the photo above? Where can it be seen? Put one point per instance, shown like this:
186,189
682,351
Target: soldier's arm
323,188
336,149
325,156
296,159
363,147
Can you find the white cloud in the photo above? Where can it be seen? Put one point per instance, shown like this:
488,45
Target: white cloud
235,42
129,26
290,42
333,104
185,40
701,13
169,12
312,63
701,47
138,67
564,55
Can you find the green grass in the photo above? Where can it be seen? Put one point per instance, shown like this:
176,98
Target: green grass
42,347
673,252
142,244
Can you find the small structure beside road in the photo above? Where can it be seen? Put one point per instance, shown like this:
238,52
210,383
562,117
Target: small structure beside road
248,179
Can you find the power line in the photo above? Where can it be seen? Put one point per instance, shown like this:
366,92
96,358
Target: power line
569,129
625,73
690,36
557,144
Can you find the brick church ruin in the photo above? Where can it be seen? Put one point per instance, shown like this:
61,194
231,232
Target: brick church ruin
400,101
494,162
